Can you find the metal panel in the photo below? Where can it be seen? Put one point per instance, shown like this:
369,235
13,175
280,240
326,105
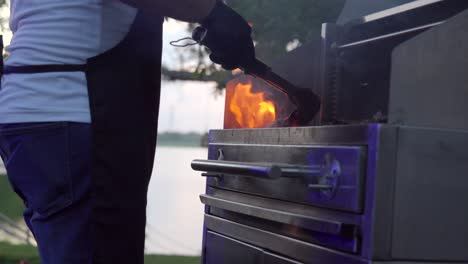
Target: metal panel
225,250
401,18
302,251
429,80
414,262
260,212
317,224
270,258
329,77
301,66
347,244
355,9
431,197
378,215
323,135
345,195
310,211
357,86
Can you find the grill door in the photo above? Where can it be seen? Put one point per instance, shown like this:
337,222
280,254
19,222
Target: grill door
224,250
326,176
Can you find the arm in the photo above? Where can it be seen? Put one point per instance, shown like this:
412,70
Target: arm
229,39
185,10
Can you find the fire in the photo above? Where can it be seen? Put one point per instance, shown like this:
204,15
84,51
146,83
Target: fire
251,110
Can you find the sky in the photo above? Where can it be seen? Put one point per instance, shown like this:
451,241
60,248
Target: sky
185,106
190,107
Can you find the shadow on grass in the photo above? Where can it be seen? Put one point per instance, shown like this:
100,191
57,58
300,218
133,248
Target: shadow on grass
13,254
157,259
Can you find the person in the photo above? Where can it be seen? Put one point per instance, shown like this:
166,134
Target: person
78,113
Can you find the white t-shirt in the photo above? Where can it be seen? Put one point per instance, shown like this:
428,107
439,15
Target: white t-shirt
57,32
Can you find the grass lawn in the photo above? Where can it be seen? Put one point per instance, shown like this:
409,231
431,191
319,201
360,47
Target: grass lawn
10,204
13,207
157,259
12,254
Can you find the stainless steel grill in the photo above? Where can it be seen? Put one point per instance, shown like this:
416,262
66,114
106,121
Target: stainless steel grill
357,193
377,183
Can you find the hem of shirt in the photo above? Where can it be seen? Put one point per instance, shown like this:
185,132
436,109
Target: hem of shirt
33,117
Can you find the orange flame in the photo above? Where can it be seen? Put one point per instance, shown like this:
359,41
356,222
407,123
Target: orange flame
251,110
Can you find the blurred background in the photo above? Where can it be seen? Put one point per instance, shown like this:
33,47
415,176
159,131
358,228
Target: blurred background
192,102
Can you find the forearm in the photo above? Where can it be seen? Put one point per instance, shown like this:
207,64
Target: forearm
185,10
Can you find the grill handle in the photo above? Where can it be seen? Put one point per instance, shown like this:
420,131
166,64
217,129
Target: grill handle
313,223
217,168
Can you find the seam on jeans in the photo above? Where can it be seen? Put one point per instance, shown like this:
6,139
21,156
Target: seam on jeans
68,151
32,128
9,158
51,208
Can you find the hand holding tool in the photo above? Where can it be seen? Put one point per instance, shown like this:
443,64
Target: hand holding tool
230,36
306,101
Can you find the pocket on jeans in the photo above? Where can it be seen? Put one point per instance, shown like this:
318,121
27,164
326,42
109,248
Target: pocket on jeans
39,168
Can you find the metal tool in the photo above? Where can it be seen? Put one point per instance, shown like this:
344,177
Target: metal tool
306,101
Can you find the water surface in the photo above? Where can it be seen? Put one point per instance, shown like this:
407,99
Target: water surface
175,213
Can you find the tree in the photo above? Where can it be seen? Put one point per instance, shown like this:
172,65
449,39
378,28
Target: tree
278,26
281,22
3,20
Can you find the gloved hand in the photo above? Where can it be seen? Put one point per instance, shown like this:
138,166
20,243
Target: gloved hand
228,37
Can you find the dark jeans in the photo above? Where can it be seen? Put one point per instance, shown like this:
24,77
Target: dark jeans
49,167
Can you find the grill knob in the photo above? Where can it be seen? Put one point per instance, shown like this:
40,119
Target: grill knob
328,181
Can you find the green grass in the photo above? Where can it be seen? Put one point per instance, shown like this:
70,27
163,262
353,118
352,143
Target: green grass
10,204
12,254
157,259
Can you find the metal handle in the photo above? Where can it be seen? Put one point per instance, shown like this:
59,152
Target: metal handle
297,171
300,220
216,168
211,175
320,187
258,170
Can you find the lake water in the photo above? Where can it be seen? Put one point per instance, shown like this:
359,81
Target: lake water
175,213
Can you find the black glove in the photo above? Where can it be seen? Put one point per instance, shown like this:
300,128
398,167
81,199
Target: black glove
228,37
